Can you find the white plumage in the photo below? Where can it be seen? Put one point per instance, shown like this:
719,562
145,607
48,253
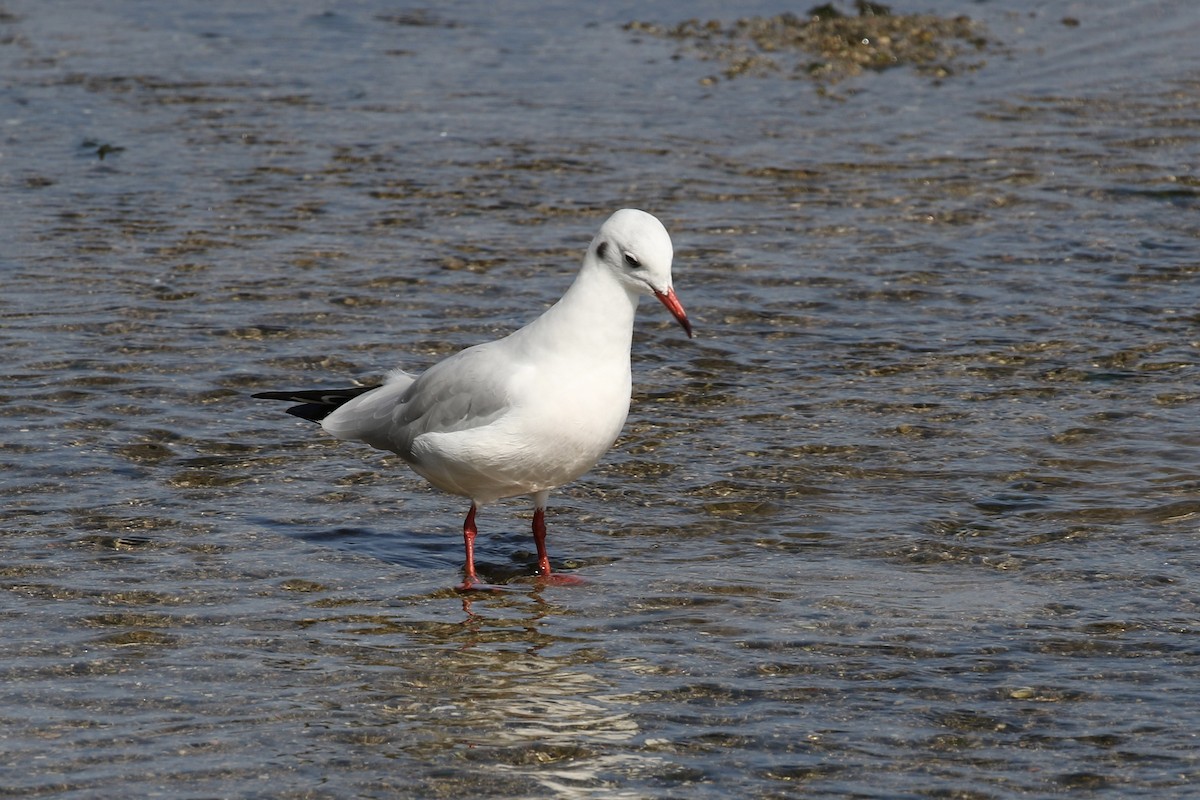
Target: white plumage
529,412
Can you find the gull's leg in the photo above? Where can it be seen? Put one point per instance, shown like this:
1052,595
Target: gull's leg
539,539
539,532
470,579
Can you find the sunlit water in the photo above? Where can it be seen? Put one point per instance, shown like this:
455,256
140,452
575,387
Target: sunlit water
915,515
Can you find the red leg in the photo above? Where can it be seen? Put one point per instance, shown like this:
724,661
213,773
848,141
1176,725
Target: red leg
470,579
539,539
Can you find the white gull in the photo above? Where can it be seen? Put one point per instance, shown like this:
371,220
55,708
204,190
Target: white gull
527,413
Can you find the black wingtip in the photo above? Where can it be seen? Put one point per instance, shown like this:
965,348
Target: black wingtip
315,405
311,411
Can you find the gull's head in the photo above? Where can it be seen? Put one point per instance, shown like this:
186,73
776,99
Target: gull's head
635,246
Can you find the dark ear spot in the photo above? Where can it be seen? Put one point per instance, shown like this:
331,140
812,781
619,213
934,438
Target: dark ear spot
601,249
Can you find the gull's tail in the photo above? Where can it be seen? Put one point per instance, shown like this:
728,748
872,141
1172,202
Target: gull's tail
316,404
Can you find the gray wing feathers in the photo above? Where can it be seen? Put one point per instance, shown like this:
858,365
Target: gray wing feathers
464,391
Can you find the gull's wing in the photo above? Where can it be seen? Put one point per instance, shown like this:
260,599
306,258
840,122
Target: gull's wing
470,389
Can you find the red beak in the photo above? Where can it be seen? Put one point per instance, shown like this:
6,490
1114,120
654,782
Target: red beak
673,305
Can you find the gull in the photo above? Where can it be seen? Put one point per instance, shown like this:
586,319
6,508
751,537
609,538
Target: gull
527,413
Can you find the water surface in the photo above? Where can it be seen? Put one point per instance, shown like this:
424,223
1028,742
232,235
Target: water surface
915,515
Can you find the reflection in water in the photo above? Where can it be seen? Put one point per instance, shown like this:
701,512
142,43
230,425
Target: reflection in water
491,690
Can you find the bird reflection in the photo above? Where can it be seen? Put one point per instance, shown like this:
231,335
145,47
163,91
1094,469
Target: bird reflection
537,608
512,684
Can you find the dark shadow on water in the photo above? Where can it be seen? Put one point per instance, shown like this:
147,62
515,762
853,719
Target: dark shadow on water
442,551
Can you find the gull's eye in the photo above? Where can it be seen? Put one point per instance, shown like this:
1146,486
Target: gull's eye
632,261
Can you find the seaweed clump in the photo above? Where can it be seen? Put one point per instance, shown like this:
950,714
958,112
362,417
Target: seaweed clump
828,45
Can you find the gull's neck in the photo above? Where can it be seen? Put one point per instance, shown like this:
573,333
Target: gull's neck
595,315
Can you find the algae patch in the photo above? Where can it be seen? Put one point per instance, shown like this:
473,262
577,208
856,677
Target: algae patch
827,45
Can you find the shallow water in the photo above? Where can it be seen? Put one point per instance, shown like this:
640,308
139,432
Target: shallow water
915,515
